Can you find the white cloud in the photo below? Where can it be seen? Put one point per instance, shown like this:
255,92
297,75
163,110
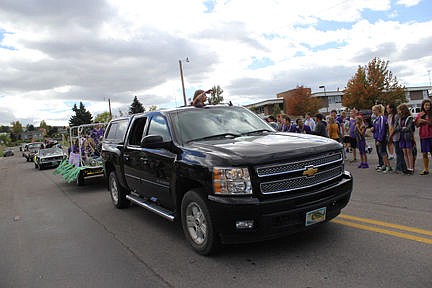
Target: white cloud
408,3
94,50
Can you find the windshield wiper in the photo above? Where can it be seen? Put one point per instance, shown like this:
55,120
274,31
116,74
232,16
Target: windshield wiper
256,131
224,135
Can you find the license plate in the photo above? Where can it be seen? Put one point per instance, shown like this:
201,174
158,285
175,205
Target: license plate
316,216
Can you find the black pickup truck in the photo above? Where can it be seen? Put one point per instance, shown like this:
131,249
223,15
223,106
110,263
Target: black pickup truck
224,173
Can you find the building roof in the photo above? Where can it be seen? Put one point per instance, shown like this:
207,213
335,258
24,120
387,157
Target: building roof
265,102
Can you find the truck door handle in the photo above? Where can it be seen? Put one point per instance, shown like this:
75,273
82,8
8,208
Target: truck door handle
144,160
126,157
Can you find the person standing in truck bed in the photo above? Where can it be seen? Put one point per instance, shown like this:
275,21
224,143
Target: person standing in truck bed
200,98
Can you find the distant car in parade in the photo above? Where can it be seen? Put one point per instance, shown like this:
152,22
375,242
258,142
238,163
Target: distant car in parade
49,157
31,150
8,153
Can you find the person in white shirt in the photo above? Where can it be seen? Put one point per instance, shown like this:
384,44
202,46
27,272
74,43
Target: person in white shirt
309,121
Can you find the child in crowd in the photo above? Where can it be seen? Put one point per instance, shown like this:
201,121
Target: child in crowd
360,132
380,133
406,141
424,122
333,129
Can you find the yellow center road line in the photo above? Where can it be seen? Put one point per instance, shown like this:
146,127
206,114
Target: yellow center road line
383,231
385,224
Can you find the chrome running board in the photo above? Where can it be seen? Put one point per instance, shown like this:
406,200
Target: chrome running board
151,207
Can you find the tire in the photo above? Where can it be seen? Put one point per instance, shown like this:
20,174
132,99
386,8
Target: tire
117,192
80,179
197,224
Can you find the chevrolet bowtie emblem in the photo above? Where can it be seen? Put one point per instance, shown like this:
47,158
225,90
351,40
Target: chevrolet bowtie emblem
310,171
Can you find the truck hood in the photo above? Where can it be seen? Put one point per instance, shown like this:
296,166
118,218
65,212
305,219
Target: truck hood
261,149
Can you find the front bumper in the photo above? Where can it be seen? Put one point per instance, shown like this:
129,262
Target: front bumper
276,217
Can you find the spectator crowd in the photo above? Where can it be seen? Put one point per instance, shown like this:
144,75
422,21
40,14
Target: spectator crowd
392,127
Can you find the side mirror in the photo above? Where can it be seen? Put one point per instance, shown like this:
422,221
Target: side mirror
152,142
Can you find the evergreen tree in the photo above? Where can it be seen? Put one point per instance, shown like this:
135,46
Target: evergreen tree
82,116
136,107
30,127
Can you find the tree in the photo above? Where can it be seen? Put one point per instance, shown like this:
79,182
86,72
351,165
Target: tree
373,84
216,95
4,129
52,131
44,128
5,139
103,117
153,108
82,116
136,107
276,110
17,127
301,101
16,131
30,127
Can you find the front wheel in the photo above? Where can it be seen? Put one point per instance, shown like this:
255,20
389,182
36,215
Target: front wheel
197,224
118,193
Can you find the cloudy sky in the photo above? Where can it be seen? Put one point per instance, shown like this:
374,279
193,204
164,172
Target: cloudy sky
55,53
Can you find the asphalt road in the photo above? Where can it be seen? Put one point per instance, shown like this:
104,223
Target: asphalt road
56,234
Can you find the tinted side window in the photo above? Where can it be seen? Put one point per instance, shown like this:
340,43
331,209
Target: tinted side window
158,126
136,131
117,130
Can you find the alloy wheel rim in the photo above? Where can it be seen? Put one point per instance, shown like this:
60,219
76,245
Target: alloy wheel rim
114,190
196,223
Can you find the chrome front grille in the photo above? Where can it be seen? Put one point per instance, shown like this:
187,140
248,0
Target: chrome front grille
301,174
301,182
290,167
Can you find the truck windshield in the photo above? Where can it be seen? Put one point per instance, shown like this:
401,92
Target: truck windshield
217,122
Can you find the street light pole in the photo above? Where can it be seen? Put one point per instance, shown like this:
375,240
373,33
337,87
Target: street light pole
325,95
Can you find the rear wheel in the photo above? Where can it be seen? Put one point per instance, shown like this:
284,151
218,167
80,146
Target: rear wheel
118,193
80,179
197,224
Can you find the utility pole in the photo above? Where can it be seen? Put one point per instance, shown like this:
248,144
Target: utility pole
182,81
109,105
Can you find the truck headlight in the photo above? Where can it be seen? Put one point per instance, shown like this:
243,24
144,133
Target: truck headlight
231,181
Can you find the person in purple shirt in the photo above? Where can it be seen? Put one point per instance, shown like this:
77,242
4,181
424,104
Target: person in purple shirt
97,133
287,125
352,136
302,128
380,131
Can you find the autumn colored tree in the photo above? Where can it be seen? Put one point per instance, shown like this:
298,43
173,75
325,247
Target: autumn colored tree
301,101
373,84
